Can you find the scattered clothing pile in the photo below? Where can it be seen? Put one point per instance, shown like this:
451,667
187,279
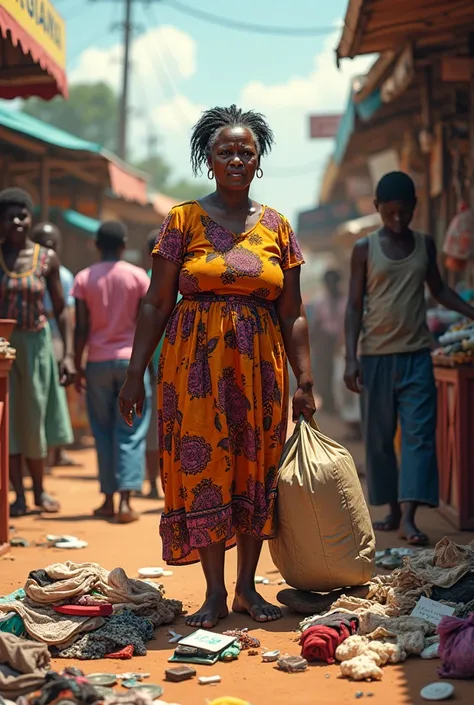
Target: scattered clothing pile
384,630
136,609
119,632
23,665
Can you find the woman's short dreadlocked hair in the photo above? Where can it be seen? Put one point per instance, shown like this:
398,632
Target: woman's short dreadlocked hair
216,119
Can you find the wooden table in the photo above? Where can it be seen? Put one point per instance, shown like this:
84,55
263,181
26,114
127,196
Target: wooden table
5,367
455,444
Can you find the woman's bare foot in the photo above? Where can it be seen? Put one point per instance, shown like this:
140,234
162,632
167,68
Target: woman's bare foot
250,602
213,609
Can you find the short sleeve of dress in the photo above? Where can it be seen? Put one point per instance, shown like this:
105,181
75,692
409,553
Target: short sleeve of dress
291,255
170,242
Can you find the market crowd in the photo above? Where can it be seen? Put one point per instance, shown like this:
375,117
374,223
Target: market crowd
209,412
72,331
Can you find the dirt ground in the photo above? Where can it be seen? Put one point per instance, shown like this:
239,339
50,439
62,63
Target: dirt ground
138,545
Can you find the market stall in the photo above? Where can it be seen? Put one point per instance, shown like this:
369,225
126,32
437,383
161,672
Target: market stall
32,50
454,374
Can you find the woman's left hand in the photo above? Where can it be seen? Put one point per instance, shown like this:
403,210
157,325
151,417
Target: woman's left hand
67,371
304,405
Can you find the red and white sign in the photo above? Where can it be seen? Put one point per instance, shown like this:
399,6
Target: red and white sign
323,127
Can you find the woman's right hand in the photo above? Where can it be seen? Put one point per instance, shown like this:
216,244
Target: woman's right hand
132,395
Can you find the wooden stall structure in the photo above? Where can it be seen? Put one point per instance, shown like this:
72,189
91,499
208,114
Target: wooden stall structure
434,93
32,50
6,328
455,443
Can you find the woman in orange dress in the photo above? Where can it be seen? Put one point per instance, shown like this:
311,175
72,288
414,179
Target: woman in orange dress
223,380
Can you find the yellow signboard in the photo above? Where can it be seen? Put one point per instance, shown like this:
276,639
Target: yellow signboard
43,23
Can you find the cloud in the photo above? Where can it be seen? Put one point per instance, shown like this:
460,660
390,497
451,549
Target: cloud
155,84
147,53
159,89
287,106
325,88
178,115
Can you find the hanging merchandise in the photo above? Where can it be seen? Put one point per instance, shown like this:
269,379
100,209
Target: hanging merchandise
320,496
459,243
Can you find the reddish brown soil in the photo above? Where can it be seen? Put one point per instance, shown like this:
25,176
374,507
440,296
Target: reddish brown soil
137,545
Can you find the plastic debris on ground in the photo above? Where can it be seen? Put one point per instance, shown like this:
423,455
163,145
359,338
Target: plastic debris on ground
65,542
292,664
209,680
150,572
392,558
18,541
270,656
437,691
174,637
180,674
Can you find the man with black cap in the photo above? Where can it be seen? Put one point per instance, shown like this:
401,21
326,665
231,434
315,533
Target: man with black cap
108,297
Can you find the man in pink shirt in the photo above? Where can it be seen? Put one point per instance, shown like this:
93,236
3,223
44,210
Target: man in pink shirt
108,297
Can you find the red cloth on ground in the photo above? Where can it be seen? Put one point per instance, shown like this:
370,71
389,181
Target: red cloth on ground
124,654
319,643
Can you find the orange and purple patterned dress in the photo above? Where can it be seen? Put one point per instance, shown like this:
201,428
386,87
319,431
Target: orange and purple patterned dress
223,380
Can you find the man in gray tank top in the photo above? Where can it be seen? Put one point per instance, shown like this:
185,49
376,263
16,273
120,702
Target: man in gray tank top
388,356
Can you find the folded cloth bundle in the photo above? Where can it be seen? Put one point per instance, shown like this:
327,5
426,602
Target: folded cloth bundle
72,580
319,643
43,624
26,665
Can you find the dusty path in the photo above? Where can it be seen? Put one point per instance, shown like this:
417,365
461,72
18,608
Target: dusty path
138,545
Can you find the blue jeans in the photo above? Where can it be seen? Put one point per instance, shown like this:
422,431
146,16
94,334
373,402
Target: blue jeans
401,387
120,448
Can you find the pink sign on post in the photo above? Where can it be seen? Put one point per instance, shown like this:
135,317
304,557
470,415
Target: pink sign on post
323,126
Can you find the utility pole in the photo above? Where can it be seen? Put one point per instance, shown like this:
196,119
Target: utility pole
152,142
127,26
123,116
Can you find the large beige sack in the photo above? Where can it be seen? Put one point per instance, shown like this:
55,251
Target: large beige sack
325,538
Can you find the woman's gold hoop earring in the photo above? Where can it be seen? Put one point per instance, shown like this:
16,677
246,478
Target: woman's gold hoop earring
210,174
259,173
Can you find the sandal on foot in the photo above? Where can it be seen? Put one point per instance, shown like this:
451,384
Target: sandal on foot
386,525
18,508
47,504
67,462
127,517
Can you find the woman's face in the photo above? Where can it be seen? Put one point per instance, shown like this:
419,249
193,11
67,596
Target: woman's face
15,224
234,158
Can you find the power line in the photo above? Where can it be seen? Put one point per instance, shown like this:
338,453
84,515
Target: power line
247,26
161,56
